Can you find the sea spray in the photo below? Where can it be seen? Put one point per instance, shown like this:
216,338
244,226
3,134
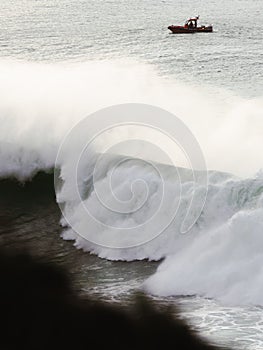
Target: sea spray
40,103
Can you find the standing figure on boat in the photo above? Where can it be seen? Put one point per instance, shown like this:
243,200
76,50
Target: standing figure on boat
191,23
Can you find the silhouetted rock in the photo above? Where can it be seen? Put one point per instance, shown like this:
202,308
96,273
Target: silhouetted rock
40,310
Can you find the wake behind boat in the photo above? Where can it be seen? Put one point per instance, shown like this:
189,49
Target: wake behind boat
190,27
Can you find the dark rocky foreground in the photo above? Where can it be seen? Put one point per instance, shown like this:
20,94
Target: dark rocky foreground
41,310
55,296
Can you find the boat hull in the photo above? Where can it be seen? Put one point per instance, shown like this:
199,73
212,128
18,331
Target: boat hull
184,30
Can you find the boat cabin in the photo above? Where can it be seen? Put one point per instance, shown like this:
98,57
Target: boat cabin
191,23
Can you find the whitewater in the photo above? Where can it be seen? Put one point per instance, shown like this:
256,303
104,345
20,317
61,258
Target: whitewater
41,102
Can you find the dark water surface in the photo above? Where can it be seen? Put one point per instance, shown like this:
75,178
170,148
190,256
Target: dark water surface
30,220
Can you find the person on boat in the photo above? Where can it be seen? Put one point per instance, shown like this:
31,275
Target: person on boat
192,22
190,25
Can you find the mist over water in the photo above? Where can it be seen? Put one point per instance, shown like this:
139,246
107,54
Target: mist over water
41,102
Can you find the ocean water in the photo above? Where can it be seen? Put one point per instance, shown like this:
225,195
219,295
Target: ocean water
61,61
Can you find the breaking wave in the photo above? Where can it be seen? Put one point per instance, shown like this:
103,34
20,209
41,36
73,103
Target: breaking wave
221,255
223,259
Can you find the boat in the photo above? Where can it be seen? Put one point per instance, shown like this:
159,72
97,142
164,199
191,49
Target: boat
190,27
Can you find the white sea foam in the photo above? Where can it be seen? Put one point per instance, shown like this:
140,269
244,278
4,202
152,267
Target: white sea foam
224,262
221,256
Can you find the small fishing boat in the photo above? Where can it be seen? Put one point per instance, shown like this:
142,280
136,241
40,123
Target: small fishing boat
190,27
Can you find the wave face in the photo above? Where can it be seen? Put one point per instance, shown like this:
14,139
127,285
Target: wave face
220,256
223,260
